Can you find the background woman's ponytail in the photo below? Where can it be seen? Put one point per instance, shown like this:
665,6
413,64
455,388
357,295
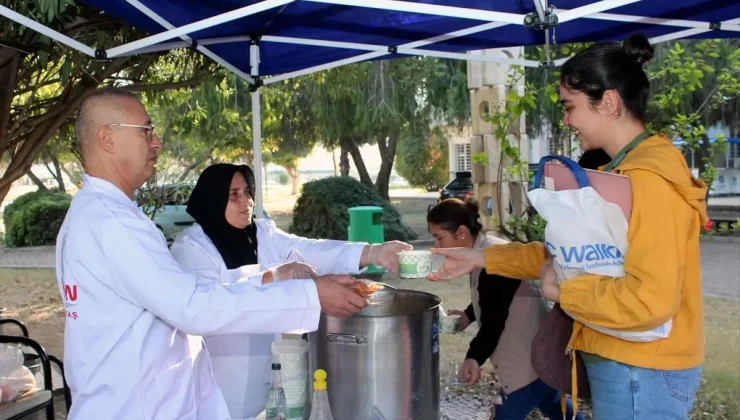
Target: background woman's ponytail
452,213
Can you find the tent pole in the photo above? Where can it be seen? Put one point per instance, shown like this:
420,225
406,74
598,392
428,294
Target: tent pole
185,39
679,23
254,61
689,32
433,9
377,54
540,10
591,9
196,26
541,13
469,57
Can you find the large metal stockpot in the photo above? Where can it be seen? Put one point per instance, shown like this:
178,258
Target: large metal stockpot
382,363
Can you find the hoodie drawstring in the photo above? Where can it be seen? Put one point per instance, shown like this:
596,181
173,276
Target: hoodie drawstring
574,387
574,382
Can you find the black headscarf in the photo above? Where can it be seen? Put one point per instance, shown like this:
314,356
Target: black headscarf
207,205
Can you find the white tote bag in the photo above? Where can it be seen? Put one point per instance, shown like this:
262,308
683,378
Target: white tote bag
585,234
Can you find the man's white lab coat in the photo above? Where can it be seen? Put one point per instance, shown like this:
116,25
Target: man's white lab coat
241,362
130,309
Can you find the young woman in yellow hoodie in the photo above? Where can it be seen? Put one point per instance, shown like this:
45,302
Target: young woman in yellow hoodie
604,90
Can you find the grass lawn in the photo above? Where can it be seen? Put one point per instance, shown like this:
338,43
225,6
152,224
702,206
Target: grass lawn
719,396
32,297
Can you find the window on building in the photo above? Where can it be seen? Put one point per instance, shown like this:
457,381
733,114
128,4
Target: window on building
733,156
560,145
464,161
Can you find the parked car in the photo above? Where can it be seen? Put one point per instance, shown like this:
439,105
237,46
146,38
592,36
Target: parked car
461,187
170,202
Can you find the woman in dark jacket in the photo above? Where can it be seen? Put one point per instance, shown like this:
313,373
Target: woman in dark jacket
508,312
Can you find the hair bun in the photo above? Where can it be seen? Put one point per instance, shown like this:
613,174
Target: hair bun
472,205
638,48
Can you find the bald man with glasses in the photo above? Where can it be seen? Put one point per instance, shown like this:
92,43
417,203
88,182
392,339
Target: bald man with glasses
131,342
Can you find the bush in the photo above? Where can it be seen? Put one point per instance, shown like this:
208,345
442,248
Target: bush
35,218
322,210
27,198
284,179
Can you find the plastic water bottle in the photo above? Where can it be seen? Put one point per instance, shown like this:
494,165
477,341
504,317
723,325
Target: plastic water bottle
320,402
276,407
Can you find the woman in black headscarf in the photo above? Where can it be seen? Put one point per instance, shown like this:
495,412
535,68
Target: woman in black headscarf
221,203
229,244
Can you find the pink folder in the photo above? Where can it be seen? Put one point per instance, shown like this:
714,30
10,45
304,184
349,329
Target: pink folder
614,188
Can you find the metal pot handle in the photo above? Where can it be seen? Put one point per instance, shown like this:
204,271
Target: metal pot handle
346,338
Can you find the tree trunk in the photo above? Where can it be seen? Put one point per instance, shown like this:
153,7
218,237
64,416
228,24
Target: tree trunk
248,157
344,159
292,171
354,151
36,181
9,62
75,178
56,172
195,164
60,178
387,148
4,190
334,161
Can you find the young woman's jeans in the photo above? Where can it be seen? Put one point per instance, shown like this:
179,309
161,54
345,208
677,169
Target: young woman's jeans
518,404
624,392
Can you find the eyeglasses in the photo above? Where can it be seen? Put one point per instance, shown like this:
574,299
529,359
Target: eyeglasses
148,129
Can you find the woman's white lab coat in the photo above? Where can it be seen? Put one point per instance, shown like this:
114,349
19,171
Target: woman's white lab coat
241,363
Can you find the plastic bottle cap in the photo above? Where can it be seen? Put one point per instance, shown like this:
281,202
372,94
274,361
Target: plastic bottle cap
319,380
276,366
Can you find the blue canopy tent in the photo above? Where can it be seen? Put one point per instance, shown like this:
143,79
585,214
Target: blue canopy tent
272,40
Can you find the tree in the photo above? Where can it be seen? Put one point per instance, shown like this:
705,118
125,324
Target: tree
424,162
383,102
290,128
361,104
61,157
545,119
694,84
446,107
213,123
204,124
44,81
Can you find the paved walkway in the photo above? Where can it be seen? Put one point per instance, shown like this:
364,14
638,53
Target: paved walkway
720,264
720,268
32,257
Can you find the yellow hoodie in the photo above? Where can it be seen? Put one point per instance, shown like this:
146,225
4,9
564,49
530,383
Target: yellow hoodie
662,267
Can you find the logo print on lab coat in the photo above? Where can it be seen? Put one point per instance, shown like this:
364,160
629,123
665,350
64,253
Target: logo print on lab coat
70,293
70,300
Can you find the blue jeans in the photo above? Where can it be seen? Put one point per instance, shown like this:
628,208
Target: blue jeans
624,392
518,404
